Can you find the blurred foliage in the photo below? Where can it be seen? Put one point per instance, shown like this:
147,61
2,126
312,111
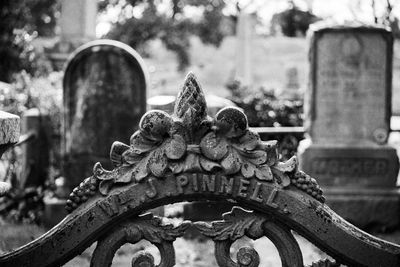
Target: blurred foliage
264,109
43,93
386,18
20,204
293,22
21,22
25,204
171,26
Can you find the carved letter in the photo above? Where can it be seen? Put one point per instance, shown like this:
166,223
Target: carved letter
256,193
270,201
381,167
124,197
226,186
152,192
208,183
109,206
195,181
242,192
181,181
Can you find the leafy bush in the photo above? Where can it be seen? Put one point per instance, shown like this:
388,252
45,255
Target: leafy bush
172,27
264,109
22,204
21,22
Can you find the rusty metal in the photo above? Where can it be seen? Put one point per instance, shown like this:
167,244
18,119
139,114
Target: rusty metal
189,156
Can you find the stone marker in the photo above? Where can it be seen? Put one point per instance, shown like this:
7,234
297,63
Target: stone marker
244,31
9,135
292,76
291,89
77,26
36,150
348,109
104,98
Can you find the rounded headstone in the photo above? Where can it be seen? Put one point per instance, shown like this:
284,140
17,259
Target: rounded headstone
104,85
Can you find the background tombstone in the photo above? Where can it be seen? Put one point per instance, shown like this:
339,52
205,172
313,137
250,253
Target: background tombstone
77,26
35,148
10,130
244,31
348,109
291,89
104,98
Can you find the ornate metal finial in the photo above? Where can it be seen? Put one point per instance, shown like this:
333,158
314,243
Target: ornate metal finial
191,103
190,141
191,106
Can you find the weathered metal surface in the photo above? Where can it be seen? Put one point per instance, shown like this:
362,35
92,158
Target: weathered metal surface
144,227
292,207
239,223
167,162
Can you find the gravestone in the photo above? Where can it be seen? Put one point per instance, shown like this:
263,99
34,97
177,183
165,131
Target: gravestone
244,32
348,110
291,89
292,75
9,135
104,98
77,26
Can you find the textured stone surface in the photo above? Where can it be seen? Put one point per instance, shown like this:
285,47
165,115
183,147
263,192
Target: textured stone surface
10,128
9,134
104,97
350,89
351,166
348,108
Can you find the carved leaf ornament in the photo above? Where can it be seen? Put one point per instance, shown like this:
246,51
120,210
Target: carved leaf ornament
191,141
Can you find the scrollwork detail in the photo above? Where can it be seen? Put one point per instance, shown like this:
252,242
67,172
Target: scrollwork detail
239,223
145,227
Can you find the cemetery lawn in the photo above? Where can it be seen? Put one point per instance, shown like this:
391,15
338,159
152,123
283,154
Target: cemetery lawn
197,252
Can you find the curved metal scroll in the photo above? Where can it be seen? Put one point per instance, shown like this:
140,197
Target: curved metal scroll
239,223
189,157
144,227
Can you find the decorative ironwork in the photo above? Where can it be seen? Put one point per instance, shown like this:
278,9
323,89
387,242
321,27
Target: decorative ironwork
235,225
239,223
145,227
191,141
189,156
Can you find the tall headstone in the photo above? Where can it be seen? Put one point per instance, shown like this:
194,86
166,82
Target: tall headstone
348,110
244,35
78,20
77,26
104,98
9,135
291,88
